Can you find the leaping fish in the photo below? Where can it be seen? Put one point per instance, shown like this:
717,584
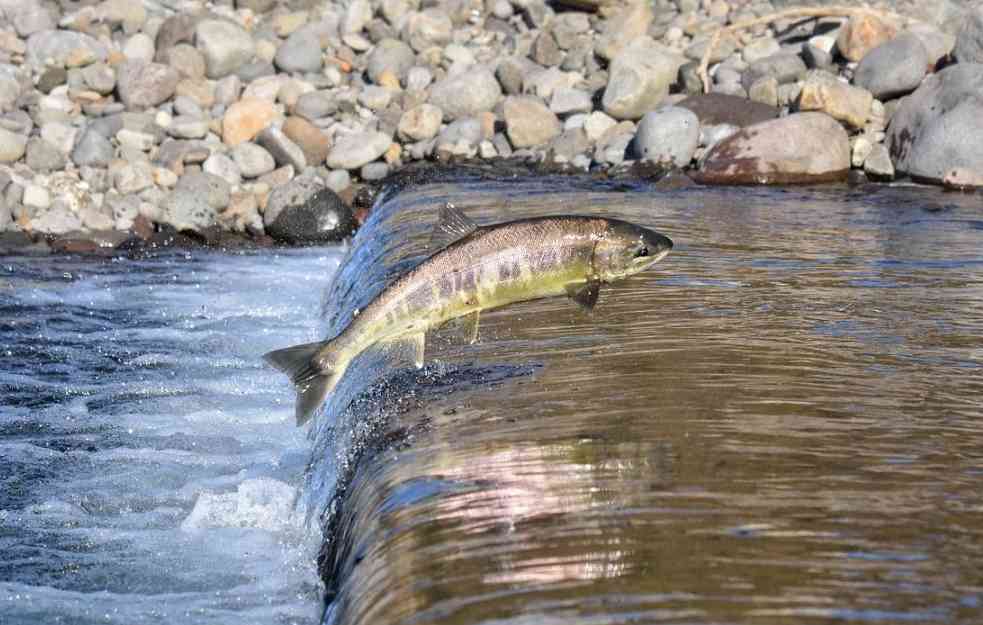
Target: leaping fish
476,269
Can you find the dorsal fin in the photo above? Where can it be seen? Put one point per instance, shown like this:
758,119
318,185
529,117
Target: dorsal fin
452,225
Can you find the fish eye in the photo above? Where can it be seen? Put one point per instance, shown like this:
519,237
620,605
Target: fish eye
644,251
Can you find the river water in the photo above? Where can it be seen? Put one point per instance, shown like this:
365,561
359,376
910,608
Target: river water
779,423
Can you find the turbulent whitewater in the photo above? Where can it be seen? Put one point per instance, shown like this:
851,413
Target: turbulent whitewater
149,465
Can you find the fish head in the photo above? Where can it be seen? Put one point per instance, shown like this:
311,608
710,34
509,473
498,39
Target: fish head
625,249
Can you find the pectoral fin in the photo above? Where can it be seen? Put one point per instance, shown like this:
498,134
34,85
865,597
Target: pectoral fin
585,294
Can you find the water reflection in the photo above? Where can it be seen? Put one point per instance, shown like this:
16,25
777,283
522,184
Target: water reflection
778,424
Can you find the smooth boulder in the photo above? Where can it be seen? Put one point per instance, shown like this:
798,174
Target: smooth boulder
670,134
893,68
937,130
803,147
639,78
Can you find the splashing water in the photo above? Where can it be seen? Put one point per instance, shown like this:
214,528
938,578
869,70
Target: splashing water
149,463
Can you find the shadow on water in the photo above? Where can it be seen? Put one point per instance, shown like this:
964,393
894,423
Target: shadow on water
780,423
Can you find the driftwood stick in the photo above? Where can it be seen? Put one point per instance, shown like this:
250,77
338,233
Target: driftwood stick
834,11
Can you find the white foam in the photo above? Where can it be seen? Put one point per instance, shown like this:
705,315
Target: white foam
162,464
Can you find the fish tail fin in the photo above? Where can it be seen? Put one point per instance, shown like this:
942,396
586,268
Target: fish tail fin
313,377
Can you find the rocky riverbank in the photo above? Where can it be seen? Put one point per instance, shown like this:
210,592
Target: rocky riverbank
183,122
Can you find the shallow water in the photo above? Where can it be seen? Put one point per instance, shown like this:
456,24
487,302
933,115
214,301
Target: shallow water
148,463
779,423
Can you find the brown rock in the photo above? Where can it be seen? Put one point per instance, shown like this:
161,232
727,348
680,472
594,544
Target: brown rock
800,148
721,108
309,138
245,119
861,34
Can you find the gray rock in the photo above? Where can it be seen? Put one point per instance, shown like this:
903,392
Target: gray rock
357,16
815,57
139,47
282,149
391,55
256,6
353,150
43,157
937,128
6,217
301,52
100,78
624,28
712,135
306,211
639,79
12,146
32,18
545,50
59,219
58,45
420,123
221,166
133,177
214,189
893,68
670,134
567,101
145,85
528,122
467,94
183,105
227,90
938,44
188,127
463,132
374,171
186,60
878,165
568,27
186,210
124,209
783,67
93,150
511,72
969,41
60,136
225,46
338,180
612,147
53,77
375,98
418,78
570,144
316,105
174,30
427,29
253,160
803,147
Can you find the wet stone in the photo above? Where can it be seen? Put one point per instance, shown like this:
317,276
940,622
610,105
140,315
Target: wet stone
306,211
